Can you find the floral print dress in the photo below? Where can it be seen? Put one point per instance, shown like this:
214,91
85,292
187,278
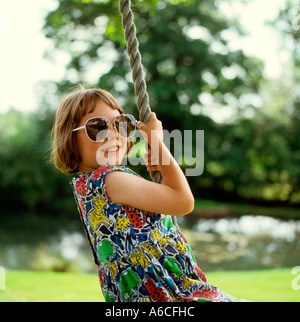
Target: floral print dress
140,256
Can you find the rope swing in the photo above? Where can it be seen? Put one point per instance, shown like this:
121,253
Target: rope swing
137,72
137,68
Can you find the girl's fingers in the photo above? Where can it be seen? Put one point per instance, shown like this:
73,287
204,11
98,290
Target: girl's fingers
153,168
151,162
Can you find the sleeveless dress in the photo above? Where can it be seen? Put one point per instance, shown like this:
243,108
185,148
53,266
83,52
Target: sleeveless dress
140,256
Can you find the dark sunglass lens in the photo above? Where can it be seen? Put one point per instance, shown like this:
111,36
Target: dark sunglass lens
97,129
125,125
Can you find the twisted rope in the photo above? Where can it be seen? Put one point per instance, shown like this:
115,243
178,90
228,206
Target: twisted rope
135,60
136,65
138,76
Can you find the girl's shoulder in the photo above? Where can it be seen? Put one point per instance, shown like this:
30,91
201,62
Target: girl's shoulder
103,170
89,180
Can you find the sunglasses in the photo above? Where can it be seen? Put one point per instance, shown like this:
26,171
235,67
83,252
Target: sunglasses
97,128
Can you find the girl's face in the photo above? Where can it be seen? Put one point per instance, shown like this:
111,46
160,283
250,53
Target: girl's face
110,151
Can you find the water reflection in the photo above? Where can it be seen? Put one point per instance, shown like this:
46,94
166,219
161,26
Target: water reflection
66,251
251,225
249,242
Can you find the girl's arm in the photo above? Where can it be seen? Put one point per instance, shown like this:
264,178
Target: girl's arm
173,197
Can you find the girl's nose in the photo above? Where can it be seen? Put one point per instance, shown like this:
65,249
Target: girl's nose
112,132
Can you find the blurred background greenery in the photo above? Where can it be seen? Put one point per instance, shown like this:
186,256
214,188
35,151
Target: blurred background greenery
248,199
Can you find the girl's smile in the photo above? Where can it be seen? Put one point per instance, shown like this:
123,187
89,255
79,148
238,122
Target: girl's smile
109,152
110,147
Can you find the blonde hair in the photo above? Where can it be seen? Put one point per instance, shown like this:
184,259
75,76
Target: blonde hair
71,110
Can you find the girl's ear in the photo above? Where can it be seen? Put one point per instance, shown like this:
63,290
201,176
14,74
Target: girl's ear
72,151
72,145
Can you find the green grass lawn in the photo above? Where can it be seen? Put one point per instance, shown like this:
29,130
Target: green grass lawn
33,286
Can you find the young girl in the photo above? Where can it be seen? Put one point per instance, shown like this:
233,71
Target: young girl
140,255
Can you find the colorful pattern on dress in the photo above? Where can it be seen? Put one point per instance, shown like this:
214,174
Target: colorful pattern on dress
140,256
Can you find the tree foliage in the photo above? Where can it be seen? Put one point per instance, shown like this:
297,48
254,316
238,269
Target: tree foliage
28,180
185,54
190,70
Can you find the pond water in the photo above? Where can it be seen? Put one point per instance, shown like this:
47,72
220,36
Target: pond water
249,242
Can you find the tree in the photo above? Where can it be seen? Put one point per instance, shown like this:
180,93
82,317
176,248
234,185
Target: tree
288,25
28,181
184,51
186,56
189,67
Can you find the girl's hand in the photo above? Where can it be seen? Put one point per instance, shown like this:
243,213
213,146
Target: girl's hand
152,130
173,197
151,162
